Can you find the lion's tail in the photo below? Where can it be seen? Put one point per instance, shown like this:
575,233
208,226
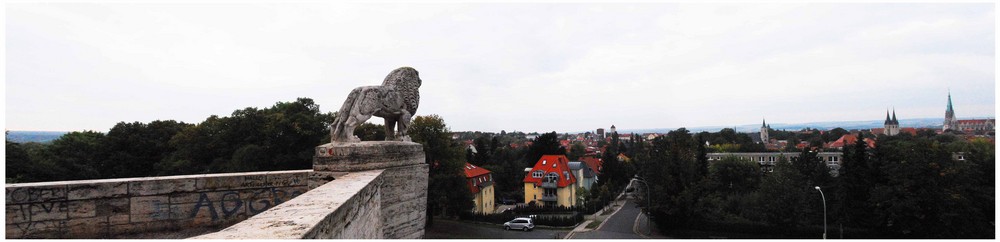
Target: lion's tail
338,129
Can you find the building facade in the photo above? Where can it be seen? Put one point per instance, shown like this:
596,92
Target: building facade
585,177
550,182
480,183
970,126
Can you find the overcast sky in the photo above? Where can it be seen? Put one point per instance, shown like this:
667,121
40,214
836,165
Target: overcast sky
562,67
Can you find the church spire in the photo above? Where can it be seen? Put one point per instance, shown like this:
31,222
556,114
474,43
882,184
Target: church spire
763,124
950,109
887,120
894,121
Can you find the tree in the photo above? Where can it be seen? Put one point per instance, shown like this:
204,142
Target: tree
577,150
135,147
736,175
447,192
79,152
370,132
781,198
545,144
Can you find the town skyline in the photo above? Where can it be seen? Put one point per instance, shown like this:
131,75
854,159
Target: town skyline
544,67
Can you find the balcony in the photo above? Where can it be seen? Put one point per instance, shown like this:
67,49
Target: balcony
550,185
550,198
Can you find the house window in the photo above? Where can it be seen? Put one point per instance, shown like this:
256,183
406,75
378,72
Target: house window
566,174
537,174
543,162
552,177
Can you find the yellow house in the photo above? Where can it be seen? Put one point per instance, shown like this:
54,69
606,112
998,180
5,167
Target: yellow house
550,182
481,185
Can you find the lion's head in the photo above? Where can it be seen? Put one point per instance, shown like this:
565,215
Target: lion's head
406,81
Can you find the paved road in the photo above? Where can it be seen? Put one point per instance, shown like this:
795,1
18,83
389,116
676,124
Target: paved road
449,229
618,226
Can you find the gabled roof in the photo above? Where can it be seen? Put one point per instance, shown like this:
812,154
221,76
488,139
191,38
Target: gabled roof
474,171
476,177
558,164
593,163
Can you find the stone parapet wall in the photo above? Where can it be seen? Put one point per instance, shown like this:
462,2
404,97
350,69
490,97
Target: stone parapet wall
346,208
366,190
110,207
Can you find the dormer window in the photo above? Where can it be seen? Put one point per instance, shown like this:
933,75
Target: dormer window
566,174
543,162
552,177
537,174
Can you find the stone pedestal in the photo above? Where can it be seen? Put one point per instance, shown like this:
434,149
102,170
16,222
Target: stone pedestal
404,188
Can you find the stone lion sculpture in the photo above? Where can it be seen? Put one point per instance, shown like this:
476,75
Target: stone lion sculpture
396,101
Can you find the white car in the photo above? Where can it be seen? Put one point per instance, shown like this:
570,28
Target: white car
519,223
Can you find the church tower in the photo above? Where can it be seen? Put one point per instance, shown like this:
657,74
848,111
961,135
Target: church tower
891,124
613,129
950,123
763,132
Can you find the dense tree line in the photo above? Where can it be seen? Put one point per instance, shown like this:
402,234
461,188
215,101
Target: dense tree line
281,137
905,187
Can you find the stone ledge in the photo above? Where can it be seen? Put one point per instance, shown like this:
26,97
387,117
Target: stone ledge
367,155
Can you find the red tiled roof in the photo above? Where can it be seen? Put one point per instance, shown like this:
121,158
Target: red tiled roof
912,131
475,175
594,163
474,171
558,164
844,140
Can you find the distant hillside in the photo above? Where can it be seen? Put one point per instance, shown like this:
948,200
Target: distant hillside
848,125
33,136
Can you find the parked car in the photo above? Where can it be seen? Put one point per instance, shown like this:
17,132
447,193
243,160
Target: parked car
525,224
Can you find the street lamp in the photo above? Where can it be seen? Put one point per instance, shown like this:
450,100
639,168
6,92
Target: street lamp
824,210
648,228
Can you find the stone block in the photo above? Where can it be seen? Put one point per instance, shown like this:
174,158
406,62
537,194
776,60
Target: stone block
17,213
44,211
148,187
26,193
118,219
87,227
97,190
194,197
367,155
36,230
112,207
213,183
82,209
149,208
287,179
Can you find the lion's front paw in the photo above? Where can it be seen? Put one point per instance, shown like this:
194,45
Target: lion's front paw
405,138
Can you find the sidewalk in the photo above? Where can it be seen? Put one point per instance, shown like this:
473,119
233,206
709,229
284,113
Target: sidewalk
599,216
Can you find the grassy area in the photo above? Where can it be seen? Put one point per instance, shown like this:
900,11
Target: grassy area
597,222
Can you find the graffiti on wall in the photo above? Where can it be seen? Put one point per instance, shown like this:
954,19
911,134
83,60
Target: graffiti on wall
231,202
